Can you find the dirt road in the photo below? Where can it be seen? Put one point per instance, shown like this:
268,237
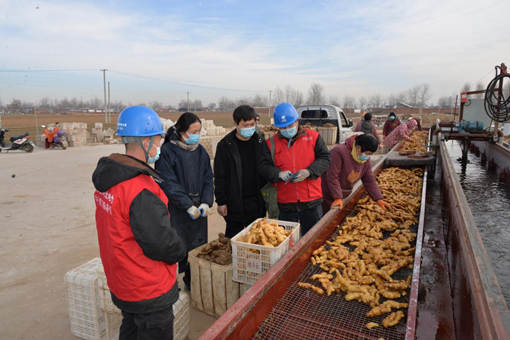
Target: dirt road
47,228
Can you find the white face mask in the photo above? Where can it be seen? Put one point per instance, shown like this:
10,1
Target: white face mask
152,160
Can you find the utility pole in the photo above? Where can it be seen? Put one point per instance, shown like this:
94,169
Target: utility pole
104,86
109,112
188,100
269,111
36,125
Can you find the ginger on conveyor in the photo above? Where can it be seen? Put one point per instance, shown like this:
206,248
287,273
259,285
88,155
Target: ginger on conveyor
311,286
393,319
371,325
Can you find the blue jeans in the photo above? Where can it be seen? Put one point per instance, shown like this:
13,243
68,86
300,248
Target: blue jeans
308,218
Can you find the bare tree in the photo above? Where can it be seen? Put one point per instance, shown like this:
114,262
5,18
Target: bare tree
424,95
226,104
211,106
443,101
293,96
45,103
376,101
466,87
349,102
362,102
278,96
15,106
479,87
413,95
258,101
402,97
316,94
183,104
333,100
155,105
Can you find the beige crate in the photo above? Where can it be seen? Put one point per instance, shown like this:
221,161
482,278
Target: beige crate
212,288
328,134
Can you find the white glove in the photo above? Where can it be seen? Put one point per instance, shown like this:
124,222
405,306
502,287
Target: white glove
285,175
301,175
204,209
193,212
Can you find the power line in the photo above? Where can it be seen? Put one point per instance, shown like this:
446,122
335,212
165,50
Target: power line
183,84
23,71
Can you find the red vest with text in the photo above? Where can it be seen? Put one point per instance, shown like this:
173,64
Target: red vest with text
130,274
294,158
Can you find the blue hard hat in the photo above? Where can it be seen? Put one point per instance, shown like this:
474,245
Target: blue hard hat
284,115
139,121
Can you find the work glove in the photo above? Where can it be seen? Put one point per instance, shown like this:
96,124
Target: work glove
384,206
193,212
285,175
300,176
338,203
204,209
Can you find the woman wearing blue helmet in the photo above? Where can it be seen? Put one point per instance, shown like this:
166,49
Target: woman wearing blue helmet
300,158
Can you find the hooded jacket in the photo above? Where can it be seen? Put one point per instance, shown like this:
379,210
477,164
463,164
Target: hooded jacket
389,126
344,172
138,246
368,128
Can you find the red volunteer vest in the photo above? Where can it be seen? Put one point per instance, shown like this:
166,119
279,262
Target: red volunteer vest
294,158
130,274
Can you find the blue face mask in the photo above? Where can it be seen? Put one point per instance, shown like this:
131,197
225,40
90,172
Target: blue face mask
152,160
247,132
392,118
192,140
289,133
363,157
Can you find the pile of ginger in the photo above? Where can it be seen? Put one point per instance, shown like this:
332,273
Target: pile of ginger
359,263
266,233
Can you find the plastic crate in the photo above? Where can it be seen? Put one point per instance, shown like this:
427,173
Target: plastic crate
248,266
212,288
113,315
87,318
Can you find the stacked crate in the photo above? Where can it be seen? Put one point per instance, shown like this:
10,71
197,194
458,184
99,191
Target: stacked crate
91,310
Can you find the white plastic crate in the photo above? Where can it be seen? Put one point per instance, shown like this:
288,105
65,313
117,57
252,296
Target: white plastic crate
113,315
87,318
248,266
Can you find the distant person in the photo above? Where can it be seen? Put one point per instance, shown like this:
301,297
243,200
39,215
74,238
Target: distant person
367,126
237,183
301,157
418,120
349,163
257,123
138,246
402,132
391,124
185,167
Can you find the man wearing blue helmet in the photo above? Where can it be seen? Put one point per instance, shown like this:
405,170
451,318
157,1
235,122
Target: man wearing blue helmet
300,158
139,248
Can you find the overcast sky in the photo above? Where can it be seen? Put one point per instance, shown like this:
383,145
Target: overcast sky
241,48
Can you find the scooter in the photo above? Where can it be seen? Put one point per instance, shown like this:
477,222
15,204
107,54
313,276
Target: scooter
21,143
58,140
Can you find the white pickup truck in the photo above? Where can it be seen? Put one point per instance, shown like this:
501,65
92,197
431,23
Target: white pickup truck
321,114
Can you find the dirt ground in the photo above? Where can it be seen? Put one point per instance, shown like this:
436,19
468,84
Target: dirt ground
48,228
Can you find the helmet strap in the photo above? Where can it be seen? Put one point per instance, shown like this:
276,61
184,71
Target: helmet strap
151,143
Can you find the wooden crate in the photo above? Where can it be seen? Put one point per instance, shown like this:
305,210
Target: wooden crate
212,288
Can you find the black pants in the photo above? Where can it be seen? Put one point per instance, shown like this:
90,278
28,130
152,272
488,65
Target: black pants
237,221
308,217
148,326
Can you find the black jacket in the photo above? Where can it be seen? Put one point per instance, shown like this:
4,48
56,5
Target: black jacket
228,174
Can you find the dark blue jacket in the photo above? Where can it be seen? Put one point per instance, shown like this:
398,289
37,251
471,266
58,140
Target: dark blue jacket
187,180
